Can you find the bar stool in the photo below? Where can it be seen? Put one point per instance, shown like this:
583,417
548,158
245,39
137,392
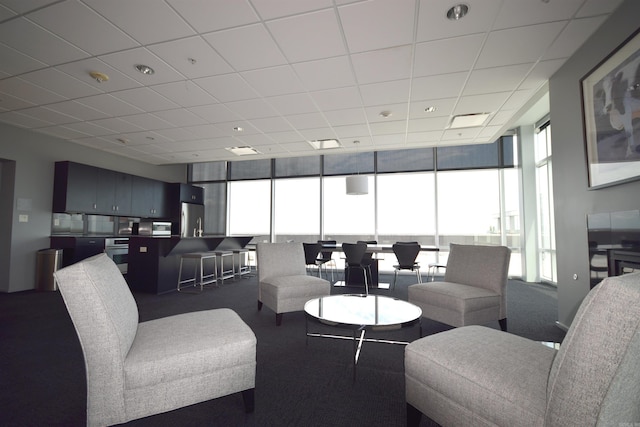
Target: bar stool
240,263
432,269
225,273
198,259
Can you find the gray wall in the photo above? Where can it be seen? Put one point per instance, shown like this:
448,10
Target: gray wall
34,155
573,200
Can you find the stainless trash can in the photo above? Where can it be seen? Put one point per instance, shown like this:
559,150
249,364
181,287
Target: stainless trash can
47,262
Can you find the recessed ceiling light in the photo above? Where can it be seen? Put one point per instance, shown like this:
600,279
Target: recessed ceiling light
123,140
243,151
323,144
468,120
458,12
386,114
192,61
430,109
98,76
145,69
238,129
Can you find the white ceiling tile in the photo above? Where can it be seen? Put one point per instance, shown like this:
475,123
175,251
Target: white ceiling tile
246,48
443,107
436,87
14,62
383,64
572,37
180,117
206,131
354,131
89,128
24,120
428,124
497,79
227,88
6,13
296,103
185,93
215,112
463,133
166,24
30,39
110,105
424,137
387,128
81,69
126,62
175,134
501,50
268,9
393,112
90,31
252,109
286,137
488,133
519,13
141,138
61,83
28,92
307,37
434,25
146,99
446,56
8,102
319,133
77,110
273,81
378,24
180,53
255,140
272,124
147,121
517,99
206,15
337,99
325,73
598,7
116,125
348,116
307,121
541,73
390,141
486,103
62,132
385,93
48,115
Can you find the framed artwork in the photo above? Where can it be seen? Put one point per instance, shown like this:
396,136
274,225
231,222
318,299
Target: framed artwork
611,109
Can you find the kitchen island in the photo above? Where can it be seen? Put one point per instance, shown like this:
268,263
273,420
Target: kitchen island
154,261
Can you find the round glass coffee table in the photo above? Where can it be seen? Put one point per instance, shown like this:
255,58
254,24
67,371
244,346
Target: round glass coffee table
360,313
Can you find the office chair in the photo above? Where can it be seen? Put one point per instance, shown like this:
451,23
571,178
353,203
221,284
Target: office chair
406,253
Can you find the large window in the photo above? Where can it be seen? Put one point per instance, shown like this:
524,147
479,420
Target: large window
297,209
347,218
250,209
544,191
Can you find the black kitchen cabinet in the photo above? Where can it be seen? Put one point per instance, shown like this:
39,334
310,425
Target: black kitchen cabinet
114,191
75,188
186,193
148,198
77,248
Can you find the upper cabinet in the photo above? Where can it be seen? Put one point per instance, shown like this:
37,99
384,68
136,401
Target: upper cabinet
81,188
186,193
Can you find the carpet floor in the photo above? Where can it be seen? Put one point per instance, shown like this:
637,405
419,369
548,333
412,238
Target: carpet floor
299,382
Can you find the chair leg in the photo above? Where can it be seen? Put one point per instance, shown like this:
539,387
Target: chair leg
503,324
278,319
395,277
413,416
259,305
248,396
366,282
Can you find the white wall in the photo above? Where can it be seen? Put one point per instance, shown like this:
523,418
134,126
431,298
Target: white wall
34,155
573,199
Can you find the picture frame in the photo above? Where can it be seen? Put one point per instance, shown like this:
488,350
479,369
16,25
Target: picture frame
611,116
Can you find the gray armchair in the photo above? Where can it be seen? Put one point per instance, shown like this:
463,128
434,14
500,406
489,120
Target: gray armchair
138,369
478,376
283,283
474,289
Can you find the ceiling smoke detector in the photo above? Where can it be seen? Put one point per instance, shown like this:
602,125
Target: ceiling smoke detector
98,76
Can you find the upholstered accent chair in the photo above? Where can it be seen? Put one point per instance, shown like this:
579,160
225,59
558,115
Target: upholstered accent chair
283,283
478,376
474,289
138,369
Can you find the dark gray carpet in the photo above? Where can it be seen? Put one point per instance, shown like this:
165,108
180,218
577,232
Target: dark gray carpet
297,384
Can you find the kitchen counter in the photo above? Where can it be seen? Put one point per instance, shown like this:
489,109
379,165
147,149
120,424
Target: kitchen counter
154,261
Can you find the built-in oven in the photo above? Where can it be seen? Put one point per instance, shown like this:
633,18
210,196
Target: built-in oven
117,248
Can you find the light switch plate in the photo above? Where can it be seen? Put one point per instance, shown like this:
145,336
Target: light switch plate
23,218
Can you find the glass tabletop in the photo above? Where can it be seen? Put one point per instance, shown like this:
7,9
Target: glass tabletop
357,310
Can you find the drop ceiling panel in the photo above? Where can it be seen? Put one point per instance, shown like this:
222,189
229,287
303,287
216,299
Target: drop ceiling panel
434,25
28,92
268,9
126,62
447,56
337,99
81,69
185,93
523,13
273,81
383,64
436,87
497,79
146,99
77,110
15,62
206,15
377,24
110,105
192,57
572,37
90,32
166,23
325,73
227,88
61,83
307,37
385,93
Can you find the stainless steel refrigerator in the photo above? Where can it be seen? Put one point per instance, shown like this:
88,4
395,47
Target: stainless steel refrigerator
191,220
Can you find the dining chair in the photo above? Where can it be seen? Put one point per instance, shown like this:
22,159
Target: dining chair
406,253
311,251
355,258
326,256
